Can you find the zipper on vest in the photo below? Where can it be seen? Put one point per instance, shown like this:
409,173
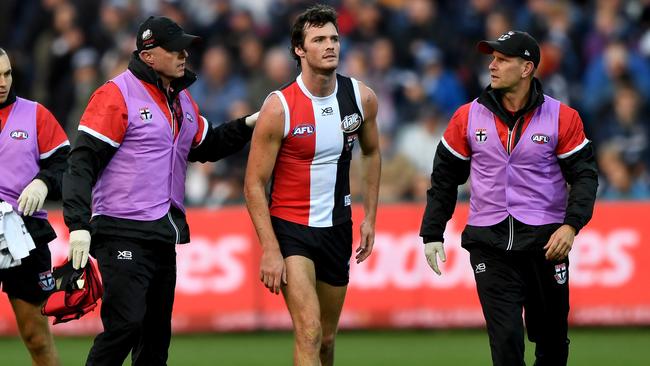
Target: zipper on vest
511,232
169,216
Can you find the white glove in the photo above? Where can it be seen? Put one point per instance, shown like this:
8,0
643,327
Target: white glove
432,251
252,119
79,248
32,197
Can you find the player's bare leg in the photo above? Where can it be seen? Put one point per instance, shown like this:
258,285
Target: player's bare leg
331,300
302,302
35,333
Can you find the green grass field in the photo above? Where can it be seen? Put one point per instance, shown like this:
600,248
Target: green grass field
593,347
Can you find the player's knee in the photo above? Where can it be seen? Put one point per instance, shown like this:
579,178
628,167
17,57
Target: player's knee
309,332
37,341
327,343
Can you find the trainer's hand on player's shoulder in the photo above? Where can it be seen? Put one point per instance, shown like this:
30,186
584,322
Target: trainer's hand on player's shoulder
272,270
252,119
367,241
432,251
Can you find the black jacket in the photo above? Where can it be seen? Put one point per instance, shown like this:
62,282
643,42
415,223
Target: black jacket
51,172
90,155
449,171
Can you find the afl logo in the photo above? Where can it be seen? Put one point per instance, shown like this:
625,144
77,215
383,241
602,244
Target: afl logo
19,135
351,123
303,130
538,138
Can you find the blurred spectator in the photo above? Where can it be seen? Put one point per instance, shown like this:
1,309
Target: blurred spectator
219,86
614,66
278,69
621,181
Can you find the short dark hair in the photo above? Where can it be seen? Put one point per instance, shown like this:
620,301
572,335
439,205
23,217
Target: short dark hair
315,16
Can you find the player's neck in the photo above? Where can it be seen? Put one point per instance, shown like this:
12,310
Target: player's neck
319,84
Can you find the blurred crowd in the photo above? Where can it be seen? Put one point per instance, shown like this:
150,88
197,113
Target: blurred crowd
418,55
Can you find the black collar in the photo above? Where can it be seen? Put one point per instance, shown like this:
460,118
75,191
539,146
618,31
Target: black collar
11,98
491,99
147,74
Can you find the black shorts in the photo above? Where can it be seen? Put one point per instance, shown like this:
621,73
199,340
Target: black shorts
330,248
32,280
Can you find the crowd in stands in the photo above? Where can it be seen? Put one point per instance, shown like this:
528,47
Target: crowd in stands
418,56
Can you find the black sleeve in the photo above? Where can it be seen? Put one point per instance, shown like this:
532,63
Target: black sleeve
51,172
222,141
581,173
448,173
87,159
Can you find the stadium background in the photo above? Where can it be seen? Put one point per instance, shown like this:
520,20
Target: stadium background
418,56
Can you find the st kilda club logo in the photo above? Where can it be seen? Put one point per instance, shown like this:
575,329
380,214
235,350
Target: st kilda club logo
19,135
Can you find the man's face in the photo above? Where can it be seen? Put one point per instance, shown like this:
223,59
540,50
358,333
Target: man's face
169,65
506,72
5,78
321,48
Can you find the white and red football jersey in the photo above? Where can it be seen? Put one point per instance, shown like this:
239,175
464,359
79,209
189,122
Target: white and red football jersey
311,183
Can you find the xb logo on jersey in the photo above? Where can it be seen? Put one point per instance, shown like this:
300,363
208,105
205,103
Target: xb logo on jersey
19,135
303,130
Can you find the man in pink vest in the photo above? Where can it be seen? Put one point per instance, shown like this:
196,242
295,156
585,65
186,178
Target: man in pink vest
33,150
533,185
130,158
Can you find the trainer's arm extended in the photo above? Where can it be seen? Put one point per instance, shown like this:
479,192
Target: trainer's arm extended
265,144
371,171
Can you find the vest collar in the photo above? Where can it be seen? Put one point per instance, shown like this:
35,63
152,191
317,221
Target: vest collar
147,74
491,99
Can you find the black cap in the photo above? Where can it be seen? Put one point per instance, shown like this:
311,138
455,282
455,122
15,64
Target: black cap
513,43
163,32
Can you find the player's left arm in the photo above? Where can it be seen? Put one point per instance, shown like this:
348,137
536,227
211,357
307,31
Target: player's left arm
576,158
371,170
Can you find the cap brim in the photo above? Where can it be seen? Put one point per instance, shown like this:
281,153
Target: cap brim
487,47
183,42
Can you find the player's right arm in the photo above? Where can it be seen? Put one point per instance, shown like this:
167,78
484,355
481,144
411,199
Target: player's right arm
265,144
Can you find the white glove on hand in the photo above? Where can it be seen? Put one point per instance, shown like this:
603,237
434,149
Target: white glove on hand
79,248
432,251
32,197
252,119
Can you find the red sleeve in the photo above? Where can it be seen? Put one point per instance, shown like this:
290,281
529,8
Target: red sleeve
455,136
106,116
49,133
571,133
202,123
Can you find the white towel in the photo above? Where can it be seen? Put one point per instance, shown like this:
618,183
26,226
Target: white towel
15,241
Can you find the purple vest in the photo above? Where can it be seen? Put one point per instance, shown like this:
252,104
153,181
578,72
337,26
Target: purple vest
526,184
19,155
147,173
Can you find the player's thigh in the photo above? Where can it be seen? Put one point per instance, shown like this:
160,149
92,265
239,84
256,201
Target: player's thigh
29,318
300,290
331,300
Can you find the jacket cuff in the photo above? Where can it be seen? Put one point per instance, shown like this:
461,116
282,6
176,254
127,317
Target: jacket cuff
45,180
79,226
573,223
429,239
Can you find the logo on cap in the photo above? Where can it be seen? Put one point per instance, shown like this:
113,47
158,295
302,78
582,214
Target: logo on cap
147,34
505,36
